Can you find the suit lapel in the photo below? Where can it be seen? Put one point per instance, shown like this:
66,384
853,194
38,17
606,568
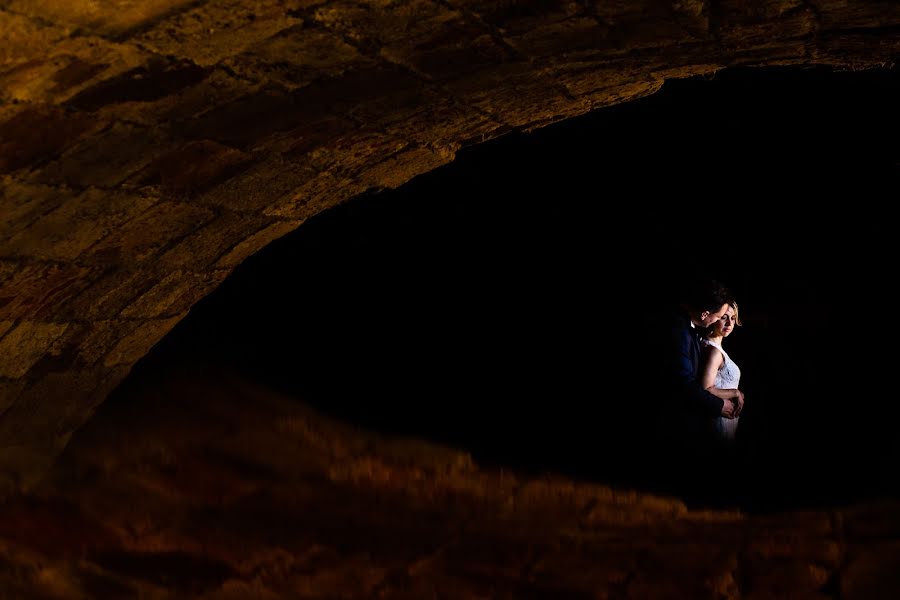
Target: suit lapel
695,344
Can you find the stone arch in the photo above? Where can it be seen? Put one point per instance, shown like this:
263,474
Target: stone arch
148,151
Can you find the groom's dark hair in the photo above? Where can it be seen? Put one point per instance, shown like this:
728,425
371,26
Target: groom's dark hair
706,294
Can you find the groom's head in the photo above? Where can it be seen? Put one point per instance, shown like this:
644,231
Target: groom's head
706,301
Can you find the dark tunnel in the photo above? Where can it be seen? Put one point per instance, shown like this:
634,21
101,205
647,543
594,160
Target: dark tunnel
506,303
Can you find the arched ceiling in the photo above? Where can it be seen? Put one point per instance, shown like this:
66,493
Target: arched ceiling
150,146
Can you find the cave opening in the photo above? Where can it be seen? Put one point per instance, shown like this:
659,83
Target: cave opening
502,303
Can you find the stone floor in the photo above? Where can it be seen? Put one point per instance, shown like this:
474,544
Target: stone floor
207,486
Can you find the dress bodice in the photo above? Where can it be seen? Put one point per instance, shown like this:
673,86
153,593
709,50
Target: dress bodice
728,376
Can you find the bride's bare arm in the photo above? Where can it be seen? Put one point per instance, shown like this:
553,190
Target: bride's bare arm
712,362
734,399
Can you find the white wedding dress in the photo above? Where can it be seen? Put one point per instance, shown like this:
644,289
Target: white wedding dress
727,378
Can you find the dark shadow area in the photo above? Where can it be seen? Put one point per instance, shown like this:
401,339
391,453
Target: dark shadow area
506,302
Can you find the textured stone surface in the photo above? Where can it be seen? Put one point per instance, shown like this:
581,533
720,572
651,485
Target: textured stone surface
206,485
75,225
146,149
25,345
872,572
91,17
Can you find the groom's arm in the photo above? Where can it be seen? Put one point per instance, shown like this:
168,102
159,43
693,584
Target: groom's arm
687,384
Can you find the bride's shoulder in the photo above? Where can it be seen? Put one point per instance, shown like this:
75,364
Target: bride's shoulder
707,343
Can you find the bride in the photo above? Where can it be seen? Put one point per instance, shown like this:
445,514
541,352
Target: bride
720,372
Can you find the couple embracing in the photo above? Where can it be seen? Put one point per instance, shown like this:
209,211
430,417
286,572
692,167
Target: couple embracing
702,403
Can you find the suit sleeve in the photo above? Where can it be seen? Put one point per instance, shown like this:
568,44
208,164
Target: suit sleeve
687,384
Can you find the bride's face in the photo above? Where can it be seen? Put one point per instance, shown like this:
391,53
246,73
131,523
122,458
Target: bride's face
725,325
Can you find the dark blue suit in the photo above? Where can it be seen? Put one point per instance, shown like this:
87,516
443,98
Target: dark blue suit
689,408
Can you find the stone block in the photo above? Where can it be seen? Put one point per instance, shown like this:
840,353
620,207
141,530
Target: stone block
143,237
24,345
159,298
553,31
341,173
88,16
759,24
261,186
563,40
39,133
456,54
218,87
317,194
76,225
62,354
101,337
617,95
443,124
21,204
157,78
248,120
194,168
65,68
358,151
325,110
366,95
298,56
847,14
106,159
403,114
585,77
210,32
106,294
646,24
256,242
505,90
304,144
376,25
173,295
403,166
25,39
205,246
514,17
39,290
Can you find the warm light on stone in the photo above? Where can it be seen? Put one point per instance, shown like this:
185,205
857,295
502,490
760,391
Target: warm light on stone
149,147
